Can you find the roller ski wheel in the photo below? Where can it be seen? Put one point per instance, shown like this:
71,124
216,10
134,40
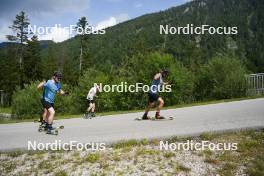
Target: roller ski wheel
42,128
55,130
52,132
87,116
161,118
143,118
154,118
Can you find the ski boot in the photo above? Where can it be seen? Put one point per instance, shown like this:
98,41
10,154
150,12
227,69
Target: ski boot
145,117
87,115
52,131
158,117
43,126
93,114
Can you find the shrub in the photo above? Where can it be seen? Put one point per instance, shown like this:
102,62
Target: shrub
222,78
26,102
138,69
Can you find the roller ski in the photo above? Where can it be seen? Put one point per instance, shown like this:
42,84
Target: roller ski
43,127
89,115
156,118
143,118
161,118
54,131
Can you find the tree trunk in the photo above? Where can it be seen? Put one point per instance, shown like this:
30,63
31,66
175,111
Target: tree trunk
81,55
21,82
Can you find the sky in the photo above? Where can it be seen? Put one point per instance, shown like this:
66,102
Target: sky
99,13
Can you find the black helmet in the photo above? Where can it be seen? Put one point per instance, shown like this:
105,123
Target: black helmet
57,74
164,72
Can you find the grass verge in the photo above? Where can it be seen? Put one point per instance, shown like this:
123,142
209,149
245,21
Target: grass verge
145,158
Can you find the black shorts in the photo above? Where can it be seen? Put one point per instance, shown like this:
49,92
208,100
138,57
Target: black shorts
90,101
153,97
46,104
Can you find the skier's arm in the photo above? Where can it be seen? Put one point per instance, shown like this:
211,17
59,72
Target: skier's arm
95,92
40,86
89,93
61,92
87,96
167,83
157,76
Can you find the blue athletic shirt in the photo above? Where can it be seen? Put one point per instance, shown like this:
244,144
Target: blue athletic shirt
156,83
50,90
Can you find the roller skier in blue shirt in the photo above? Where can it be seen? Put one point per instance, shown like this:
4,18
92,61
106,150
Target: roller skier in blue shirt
50,89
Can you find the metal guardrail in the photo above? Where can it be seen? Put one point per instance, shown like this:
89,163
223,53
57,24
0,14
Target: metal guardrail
255,83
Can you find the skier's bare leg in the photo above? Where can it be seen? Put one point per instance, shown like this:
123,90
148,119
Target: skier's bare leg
149,106
51,114
90,107
44,114
161,104
93,107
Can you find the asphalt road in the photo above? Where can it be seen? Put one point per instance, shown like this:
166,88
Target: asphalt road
187,121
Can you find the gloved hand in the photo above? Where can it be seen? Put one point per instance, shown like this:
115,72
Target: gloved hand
170,82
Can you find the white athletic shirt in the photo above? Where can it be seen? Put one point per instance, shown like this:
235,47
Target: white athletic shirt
92,93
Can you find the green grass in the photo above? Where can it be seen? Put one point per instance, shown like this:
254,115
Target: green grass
15,154
250,155
256,167
250,151
181,168
6,121
207,136
143,151
69,116
123,144
116,156
92,157
5,110
61,173
9,166
207,153
45,164
104,164
168,154
211,160
228,169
